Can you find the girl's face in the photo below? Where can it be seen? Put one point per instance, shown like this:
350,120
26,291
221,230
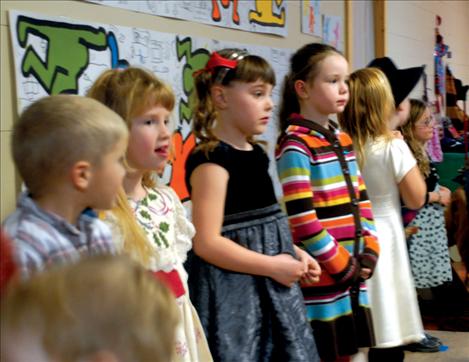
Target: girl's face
248,106
423,128
149,140
328,92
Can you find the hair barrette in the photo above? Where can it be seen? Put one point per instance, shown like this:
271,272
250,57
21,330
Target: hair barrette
226,64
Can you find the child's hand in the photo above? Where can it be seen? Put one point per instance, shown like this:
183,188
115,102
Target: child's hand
411,230
445,195
287,270
313,270
365,273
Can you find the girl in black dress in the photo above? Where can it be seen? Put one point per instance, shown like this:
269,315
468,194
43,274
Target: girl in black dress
243,276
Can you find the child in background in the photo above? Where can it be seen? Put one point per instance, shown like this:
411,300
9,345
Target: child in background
149,221
243,276
428,247
390,173
102,308
402,81
68,150
325,196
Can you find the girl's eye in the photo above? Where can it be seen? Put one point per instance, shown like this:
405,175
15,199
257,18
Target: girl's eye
166,122
149,122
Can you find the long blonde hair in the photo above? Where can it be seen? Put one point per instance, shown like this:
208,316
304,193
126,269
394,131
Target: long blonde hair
368,112
101,303
129,92
417,110
248,69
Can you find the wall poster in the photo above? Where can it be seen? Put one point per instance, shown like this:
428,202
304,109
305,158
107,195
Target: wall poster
55,55
258,16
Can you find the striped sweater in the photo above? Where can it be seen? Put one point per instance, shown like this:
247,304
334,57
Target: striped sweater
326,201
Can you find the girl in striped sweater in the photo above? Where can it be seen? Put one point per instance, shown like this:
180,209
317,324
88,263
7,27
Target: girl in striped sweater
326,201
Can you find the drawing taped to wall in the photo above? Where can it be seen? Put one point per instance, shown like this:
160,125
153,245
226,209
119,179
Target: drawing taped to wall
332,28
311,18
258,16
55,55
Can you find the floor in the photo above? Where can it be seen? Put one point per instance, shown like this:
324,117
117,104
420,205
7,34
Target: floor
457,342
458,349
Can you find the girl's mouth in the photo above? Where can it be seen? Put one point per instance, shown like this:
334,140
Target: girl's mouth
162,151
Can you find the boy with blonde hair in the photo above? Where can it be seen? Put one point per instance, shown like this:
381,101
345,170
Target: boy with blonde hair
102,308
69,151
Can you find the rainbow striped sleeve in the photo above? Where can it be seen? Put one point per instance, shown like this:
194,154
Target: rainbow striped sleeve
294,168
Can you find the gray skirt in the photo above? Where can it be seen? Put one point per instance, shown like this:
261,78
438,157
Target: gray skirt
249,318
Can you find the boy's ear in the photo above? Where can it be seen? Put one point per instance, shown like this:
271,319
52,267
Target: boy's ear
300,89
219,96
81,175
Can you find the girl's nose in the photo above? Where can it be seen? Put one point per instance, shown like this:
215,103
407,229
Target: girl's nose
164,132
343,87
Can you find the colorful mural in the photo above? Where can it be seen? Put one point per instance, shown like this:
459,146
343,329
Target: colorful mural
57,55
66,52
259,16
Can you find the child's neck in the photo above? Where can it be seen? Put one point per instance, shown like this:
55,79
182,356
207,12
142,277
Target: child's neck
394,122
232,136
315,116
133,185
59,203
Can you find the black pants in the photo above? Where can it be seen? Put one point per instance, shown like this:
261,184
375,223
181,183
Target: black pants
394,354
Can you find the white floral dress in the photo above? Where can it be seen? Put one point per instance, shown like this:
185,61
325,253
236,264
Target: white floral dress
169,232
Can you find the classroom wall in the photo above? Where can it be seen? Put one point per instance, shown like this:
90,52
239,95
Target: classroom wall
10,182
411,36
410,41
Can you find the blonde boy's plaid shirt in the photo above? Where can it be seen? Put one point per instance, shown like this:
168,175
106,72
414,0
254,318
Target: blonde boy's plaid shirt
41,239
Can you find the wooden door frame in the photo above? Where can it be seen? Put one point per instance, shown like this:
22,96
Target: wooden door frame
348,32
379,12
379,19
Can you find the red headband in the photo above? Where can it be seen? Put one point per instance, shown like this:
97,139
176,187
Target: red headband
216,60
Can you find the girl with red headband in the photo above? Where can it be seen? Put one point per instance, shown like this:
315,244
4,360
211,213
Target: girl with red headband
243,276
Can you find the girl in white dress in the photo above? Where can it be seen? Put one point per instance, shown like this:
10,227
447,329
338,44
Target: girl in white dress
149,221
390,173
